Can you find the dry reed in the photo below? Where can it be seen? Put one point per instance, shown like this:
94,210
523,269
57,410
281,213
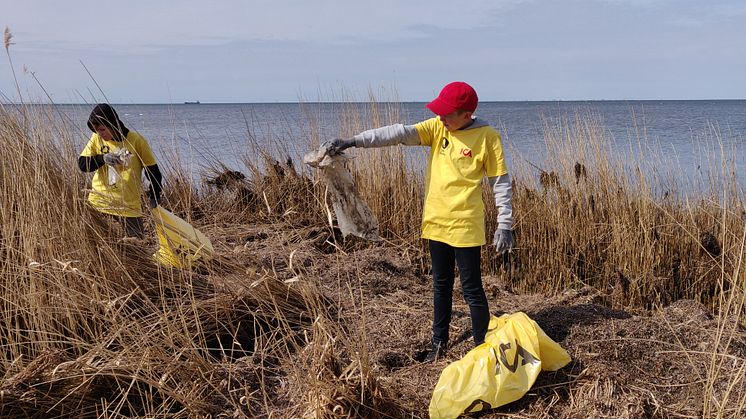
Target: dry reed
91,327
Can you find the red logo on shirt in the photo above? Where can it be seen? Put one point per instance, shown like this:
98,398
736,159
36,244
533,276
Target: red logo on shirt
466,152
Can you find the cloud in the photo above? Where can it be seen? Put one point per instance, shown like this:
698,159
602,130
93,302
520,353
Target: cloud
686,13
94,24
267,51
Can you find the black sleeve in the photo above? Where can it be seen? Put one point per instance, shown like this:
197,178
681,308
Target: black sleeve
90,163
153,173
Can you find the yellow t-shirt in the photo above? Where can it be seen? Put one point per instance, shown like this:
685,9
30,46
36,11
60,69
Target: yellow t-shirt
454,211
123,198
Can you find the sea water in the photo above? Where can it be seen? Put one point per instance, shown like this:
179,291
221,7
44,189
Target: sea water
687,138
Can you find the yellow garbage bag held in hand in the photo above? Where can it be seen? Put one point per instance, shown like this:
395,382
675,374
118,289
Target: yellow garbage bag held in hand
181,243
499,371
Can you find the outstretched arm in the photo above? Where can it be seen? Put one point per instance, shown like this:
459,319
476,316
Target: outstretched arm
378,137
387,136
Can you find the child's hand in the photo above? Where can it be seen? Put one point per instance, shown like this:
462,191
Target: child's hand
112,159
337,145
153,199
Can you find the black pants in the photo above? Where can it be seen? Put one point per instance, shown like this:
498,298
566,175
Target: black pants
444,257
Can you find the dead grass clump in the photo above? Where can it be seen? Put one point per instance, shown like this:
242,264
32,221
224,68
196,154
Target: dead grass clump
659,366
334,383
549,180
580,172
55,386
226,179
710,243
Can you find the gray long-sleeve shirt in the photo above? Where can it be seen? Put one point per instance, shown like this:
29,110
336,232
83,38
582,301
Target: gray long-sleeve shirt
407,135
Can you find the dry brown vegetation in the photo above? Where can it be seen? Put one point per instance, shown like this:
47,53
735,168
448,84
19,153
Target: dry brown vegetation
645,290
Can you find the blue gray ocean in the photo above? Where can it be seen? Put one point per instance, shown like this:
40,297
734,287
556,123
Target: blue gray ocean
688,136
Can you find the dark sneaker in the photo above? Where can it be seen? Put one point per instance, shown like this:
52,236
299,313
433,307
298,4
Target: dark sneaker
437,351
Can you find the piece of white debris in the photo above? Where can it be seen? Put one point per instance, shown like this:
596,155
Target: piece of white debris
353,214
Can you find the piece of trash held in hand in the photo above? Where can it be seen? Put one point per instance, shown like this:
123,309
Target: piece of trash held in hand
353,214
113,175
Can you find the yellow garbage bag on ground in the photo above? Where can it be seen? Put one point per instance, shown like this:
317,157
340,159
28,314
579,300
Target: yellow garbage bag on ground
499,371
181,243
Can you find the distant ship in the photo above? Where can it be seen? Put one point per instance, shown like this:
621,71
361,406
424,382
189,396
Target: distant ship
196,102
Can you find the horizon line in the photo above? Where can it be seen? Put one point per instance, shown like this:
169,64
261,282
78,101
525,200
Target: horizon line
197,103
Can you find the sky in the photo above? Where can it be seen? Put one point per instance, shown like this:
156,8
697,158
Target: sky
159,51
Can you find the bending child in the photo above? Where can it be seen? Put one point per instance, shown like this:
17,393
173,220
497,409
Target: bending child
119,156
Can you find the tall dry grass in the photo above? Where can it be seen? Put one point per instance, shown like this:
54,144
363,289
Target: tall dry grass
91,327
587,216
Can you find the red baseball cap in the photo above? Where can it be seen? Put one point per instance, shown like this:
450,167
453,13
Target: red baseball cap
454,96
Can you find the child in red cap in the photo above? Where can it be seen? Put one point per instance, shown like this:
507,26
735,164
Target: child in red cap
463,150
